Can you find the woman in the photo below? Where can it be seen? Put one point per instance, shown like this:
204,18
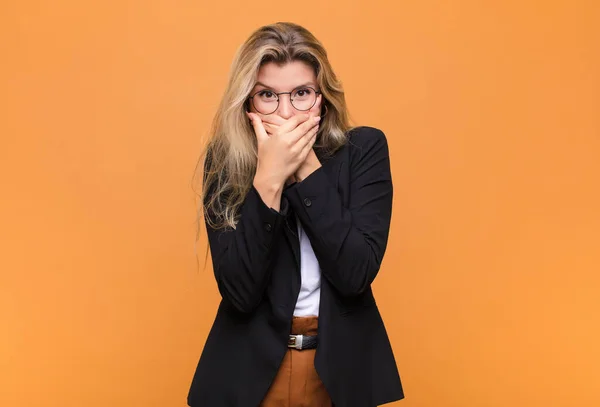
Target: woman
297,206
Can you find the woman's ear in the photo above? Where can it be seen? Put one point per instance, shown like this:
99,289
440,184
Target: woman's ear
320,101
322,106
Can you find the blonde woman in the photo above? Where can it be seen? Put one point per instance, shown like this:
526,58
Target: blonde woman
297,205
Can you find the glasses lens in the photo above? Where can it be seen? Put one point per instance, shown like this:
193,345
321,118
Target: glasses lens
265,101
304,98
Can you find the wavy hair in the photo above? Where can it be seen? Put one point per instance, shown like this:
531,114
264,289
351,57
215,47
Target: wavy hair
229,157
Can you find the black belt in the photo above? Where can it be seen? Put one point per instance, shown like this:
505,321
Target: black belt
302,342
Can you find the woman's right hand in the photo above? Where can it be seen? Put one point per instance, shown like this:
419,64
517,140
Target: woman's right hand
281,153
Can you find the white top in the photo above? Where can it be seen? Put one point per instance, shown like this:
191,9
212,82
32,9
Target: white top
310,272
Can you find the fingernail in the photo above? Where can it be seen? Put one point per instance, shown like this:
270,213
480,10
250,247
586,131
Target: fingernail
317,118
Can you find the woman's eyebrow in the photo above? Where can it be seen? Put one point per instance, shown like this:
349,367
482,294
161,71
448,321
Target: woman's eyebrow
299,86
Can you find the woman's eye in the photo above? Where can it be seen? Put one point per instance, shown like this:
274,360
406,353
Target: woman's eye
303,92
266,94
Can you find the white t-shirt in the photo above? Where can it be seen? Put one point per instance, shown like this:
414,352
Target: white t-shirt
310,272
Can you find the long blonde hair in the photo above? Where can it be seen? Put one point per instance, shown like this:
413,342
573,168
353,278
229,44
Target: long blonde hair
230,155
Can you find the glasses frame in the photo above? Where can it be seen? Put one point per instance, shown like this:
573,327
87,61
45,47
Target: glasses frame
317,92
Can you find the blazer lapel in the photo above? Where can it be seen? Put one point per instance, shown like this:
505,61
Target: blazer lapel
291,233
290,230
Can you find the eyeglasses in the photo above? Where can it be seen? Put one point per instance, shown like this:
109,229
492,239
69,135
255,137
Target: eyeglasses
267,102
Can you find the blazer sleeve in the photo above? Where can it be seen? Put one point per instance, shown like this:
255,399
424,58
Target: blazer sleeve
349,242
241,256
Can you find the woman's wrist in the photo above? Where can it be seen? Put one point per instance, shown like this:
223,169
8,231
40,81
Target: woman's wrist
291,179
310,165
269,190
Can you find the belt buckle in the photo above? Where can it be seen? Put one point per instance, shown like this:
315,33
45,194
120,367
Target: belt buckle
295,341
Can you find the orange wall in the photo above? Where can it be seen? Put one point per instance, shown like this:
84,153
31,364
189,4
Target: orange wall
490,288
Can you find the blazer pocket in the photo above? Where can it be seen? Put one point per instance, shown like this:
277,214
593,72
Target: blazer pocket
355,304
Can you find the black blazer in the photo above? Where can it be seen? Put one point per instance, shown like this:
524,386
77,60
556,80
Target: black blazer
345,208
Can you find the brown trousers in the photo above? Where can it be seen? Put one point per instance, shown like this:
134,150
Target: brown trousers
297,383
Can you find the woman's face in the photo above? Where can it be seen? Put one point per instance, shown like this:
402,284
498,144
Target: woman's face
290,77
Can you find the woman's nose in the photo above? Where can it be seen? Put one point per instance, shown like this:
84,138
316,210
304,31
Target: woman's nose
285,108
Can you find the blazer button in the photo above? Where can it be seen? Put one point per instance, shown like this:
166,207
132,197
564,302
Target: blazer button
307,202
268,227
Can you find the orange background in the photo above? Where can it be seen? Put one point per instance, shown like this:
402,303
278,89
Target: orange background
490,288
